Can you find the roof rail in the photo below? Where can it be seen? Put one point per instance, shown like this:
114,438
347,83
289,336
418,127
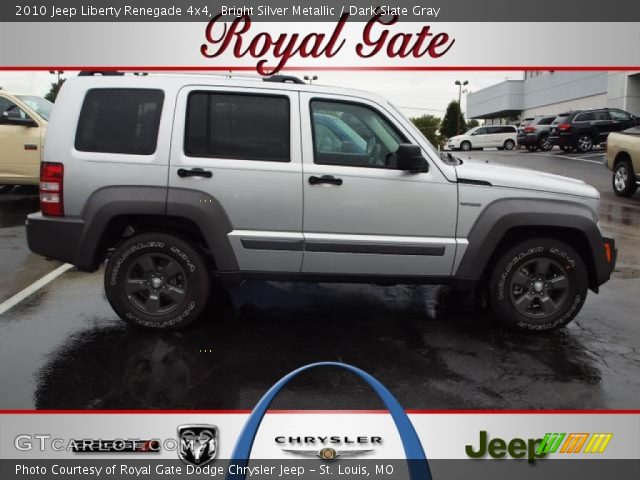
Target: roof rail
283,79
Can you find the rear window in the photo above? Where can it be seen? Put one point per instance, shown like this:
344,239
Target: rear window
546,120
560,119
120,120
237,126
585,117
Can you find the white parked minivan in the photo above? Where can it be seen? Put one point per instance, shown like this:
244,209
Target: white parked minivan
502,137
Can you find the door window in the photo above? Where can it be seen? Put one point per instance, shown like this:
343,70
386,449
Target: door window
7,105
481,131
237,126
619,115
352,135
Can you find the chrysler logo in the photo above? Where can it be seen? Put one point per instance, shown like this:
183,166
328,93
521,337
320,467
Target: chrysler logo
198,444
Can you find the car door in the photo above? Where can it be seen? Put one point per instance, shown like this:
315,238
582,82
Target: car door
362,215
21,147
620,120
240,147
480,137
603,125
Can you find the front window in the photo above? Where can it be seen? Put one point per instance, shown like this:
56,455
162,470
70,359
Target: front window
38,104
352,135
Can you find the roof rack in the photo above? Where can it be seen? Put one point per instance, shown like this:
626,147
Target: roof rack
283,79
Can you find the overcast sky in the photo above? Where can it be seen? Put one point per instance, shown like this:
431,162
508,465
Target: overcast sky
416,93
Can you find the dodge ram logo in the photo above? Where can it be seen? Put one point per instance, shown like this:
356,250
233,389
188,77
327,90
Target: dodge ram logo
198,444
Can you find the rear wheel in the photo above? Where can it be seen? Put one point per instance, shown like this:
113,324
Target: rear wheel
157,281
584,143
509,144
544,143
465,146
624,179
538,285
6,188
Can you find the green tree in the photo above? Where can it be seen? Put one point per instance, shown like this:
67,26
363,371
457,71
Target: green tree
429,126
472,124
449,126
53,91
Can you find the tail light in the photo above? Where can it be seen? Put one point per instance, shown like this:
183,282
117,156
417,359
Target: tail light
608,252
564,127
529,129
51,180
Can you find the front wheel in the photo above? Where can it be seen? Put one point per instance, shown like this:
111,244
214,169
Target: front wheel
509,144
465,146
624,180
157,281
538,285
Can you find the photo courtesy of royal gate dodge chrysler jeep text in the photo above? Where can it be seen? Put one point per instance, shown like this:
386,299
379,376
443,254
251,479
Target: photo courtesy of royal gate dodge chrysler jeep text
173,178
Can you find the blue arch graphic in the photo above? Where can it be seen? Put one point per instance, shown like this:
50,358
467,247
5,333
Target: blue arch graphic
414,452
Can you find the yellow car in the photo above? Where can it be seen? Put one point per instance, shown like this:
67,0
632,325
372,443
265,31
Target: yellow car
23,123
623,158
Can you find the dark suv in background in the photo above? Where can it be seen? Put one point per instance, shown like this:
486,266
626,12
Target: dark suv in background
535,134
582,129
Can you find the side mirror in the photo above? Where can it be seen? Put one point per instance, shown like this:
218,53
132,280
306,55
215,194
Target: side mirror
12,117
409,158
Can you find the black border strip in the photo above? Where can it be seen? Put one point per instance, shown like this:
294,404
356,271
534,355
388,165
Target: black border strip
428,250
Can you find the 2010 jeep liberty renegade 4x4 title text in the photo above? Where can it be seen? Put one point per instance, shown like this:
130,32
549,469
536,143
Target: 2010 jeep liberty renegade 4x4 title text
173,178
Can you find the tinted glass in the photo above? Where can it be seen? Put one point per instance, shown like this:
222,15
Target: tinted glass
237,126
353,135
585,117
508,129
481,131
546,120
619,115
560,119
119,120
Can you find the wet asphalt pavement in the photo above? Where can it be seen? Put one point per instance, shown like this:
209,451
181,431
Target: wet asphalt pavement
64,348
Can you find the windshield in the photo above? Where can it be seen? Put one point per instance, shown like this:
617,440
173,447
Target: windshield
38,104
471,130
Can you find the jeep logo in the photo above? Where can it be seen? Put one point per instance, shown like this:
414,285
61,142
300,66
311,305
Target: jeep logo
499,448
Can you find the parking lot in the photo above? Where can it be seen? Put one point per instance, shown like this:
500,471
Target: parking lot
62,347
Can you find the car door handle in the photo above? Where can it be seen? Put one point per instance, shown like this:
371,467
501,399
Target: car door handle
194,172
330,179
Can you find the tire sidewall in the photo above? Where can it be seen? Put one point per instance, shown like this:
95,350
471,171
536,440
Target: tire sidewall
181,252
509,145
466,144
631,187
509,264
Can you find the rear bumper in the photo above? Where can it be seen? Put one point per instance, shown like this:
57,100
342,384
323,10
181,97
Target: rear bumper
562,140
55,238
528,139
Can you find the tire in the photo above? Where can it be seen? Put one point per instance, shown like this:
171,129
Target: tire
623,179
6,188
465,146
544,144
141,291
532,148
566,148
538,285
584,143
509,144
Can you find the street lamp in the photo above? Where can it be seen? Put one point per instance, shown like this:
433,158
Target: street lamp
460,85
310,79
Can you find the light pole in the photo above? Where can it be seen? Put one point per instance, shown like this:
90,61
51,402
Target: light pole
460,85
310,79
